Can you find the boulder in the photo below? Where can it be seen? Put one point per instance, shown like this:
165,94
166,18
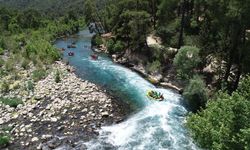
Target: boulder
105,114
34,139
55,142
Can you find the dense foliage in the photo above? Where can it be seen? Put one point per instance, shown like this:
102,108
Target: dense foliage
27,36
186,60
219,29
26,42
225,123
52,8
4,140
195,93
130,21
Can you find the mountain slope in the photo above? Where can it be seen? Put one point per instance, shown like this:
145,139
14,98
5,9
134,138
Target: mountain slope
48,6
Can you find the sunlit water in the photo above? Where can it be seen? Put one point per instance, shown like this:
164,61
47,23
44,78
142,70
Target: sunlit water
154,126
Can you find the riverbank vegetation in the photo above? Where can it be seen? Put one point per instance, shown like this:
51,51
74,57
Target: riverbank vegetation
27,37
27,52
225,123
27,41
202,44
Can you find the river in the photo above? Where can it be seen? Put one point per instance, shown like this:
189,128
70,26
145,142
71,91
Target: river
152,126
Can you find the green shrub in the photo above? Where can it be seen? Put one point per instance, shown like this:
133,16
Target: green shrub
4,140
1,51
191,40
2,43
155,66
12,102
43,50
97,40
9,64
119,46
5,88
15,75
110,45
169,33
30,86
186,60
174,41
38,74
25,63
157,52
57,77
225,123
7,128
195,93
115,46
11,44
1,62
14,28
33,59
165,34
2,72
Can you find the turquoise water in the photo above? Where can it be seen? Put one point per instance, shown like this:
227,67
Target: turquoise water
154,126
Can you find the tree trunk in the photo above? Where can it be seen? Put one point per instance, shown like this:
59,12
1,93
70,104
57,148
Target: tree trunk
182,7
153,6
239,61
235,37
236,83
228,67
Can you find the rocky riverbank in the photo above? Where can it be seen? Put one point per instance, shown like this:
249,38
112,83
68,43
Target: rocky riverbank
60,115
167,81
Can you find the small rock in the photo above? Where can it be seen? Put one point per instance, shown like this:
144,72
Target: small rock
45,147
22,130
105,114
38,97
85,110
39,147
53,120
34,139
1,121
64,147
60,128
29,130
30,114
55,142
44,137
